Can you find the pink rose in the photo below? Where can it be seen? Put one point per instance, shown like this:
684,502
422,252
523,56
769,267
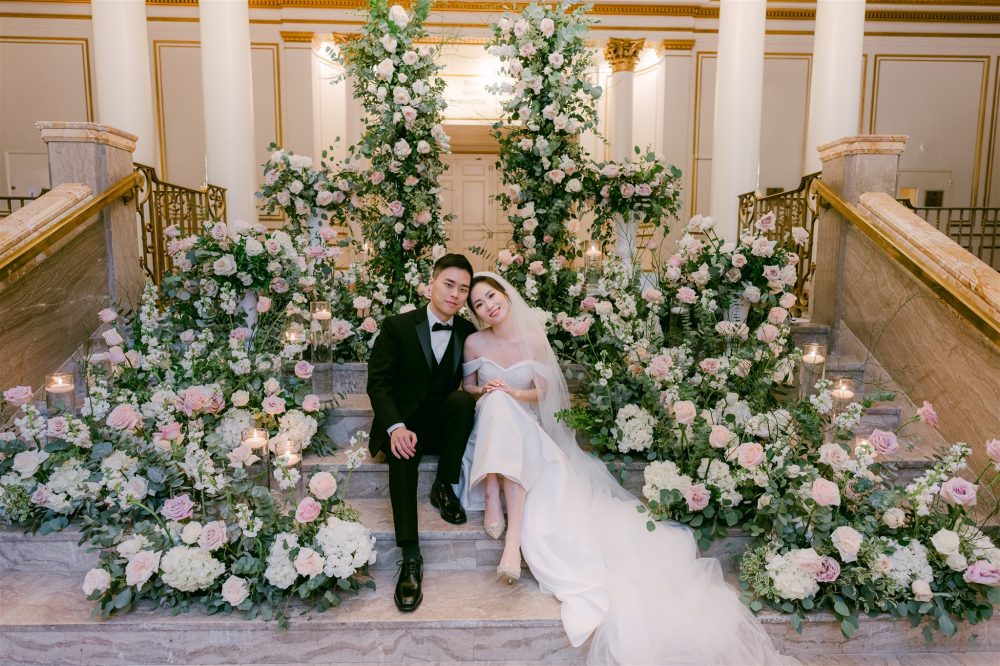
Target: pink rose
124,417
720,437
750,454
536,267
241,334
787,300
310,403
697,496
739,261
396,208
18,395
235,590
423,217
993,449
309,562
57,427
193,399
825,493
263,304
928,415
710,366
884,442
303,370
377,177
643,189
580,327
767,333
213,535
807,560
505,257
651,295
983,572
687,295
588,304
273,405
279,285
322,485
178,508
116,355
685,411
777,316
308,509
41,495
829,572
107,315
142,565
369,325
409,244
959,492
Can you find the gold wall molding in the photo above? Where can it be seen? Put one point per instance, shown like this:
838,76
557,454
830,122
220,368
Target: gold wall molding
990,154
623,53
289,36
83,42
677,44
983,60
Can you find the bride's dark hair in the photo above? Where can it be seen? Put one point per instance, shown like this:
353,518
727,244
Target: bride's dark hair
488,280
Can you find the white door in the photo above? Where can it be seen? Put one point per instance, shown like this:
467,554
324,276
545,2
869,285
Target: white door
468,188
27,173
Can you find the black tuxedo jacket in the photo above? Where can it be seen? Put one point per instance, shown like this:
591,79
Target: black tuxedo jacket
400,366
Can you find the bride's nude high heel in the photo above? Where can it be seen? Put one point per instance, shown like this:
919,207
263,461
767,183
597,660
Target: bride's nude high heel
495,529
508,573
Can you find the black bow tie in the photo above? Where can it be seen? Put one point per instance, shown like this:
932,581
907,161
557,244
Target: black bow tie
438,326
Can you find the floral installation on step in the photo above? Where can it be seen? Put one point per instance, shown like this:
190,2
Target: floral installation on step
398,204
160,470
293,185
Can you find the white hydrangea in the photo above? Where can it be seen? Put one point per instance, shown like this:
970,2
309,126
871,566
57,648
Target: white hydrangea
347,546
790,581
189,569
232,426
294,424
70,478
280,570
634,427
909,563
663,475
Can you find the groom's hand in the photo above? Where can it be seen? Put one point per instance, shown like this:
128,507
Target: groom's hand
403,443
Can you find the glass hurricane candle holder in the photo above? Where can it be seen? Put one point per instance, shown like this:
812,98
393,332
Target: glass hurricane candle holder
812,368
592,268
844,391
60,394
256,440
287,474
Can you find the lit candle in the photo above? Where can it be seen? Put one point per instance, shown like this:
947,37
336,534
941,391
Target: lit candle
321,310
592,257
287,453
843,389
59,383
812,353
255,438
295,334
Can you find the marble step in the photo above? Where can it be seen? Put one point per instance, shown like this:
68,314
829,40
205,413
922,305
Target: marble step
466,616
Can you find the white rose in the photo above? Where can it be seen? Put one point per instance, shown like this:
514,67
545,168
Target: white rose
271,386
240,398
957,562
235,590
254,247
399,16
191,532
894,518
225,265
921,590
142,565
96,580
945,542
847,541
26,463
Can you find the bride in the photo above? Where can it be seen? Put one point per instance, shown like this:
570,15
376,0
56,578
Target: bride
644,597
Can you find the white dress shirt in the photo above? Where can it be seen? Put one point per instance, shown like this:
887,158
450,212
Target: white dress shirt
439,343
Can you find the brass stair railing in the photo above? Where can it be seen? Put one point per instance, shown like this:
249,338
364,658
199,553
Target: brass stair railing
791,208
161,205
975,229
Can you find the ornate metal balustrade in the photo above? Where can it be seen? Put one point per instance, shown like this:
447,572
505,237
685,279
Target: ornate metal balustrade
792,208
975,229
10,204
161,205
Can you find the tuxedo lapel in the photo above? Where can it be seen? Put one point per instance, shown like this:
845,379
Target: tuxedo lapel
458,345
424,335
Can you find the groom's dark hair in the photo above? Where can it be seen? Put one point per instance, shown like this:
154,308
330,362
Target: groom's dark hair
452,261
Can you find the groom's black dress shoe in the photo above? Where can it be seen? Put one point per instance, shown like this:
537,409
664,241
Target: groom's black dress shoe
408,593
444,499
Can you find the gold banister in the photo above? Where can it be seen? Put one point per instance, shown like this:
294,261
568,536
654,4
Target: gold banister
984,321
62,228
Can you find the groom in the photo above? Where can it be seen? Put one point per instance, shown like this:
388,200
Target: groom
413,381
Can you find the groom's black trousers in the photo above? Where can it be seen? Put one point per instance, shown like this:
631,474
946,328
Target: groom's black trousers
442,429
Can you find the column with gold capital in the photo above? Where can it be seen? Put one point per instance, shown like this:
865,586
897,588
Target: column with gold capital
623,54
227,85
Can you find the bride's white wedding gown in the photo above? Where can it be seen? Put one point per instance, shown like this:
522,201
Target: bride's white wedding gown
645,597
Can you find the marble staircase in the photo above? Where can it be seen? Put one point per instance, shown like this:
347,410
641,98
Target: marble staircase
468,616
